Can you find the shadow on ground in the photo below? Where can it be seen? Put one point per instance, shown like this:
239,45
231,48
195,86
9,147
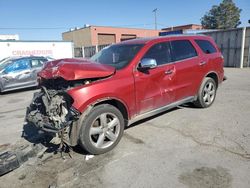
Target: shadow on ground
33,135
19,90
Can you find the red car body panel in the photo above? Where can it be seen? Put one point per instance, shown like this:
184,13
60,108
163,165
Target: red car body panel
139,92
75,69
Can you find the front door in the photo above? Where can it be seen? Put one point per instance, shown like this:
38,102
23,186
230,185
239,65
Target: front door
36,66
154,87
17,74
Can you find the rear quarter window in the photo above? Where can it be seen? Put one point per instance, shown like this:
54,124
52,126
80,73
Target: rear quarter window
206,46
182,49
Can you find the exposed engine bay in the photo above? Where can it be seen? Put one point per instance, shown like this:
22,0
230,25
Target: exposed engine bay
51,108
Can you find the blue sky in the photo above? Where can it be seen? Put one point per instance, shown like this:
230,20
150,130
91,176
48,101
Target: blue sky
60,15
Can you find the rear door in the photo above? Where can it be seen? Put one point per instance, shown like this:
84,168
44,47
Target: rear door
36,66
154,87
187,68
211,58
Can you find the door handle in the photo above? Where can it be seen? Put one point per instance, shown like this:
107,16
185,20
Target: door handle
169,71
203,63
27,72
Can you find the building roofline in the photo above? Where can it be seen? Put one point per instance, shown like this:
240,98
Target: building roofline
182,26
110,27
125,27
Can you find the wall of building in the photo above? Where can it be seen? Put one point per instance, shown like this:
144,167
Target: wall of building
97,35
183,27
80,37
54,49
120,33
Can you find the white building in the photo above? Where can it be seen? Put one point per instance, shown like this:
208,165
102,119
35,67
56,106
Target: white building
53,49
9,37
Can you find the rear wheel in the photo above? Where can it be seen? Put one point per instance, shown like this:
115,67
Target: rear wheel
102,129
206,94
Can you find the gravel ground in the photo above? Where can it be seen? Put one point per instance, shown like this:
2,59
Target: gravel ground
184,147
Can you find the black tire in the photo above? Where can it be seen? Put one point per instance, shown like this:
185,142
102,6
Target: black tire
93,122
205,90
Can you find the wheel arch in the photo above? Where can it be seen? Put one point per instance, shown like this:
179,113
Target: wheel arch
116,103
214,76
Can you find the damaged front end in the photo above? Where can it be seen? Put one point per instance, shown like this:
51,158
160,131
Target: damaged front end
51,110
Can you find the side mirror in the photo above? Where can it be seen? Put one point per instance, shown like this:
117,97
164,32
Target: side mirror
147,63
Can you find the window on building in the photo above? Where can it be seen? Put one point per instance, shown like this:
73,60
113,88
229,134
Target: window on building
182,49
106,38
206,46
127,37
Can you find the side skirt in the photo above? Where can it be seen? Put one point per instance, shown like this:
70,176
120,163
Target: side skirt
161,109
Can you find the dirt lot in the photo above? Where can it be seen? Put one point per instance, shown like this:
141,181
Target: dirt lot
185,147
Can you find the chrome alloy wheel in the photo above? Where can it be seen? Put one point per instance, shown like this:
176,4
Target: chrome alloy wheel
104,130
209,93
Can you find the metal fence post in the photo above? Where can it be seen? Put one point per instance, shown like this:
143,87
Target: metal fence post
248,58
242,47
96,48
83,52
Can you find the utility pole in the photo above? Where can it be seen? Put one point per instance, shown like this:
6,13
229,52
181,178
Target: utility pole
155,10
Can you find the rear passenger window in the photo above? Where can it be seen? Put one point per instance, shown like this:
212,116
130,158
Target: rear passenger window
36,63
160,52
182,49
206,46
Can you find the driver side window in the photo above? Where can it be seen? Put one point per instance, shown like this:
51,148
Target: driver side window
18,65
160,52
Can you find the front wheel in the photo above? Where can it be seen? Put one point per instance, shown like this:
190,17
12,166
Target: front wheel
102,129
206,94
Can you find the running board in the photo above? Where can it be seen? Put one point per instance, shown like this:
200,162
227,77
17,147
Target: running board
161,109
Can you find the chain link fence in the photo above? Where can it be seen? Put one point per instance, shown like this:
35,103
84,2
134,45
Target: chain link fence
88,51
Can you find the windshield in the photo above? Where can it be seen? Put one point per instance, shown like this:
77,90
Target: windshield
117,56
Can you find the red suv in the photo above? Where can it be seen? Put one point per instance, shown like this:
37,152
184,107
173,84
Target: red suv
91,101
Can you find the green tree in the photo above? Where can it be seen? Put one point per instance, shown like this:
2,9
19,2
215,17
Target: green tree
224,16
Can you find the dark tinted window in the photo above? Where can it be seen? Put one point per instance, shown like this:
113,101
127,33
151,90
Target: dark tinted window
160,52
182,49
206,46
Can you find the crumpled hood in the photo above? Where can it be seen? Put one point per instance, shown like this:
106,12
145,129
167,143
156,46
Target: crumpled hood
75,69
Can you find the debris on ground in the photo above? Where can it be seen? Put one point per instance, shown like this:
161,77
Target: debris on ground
87,157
